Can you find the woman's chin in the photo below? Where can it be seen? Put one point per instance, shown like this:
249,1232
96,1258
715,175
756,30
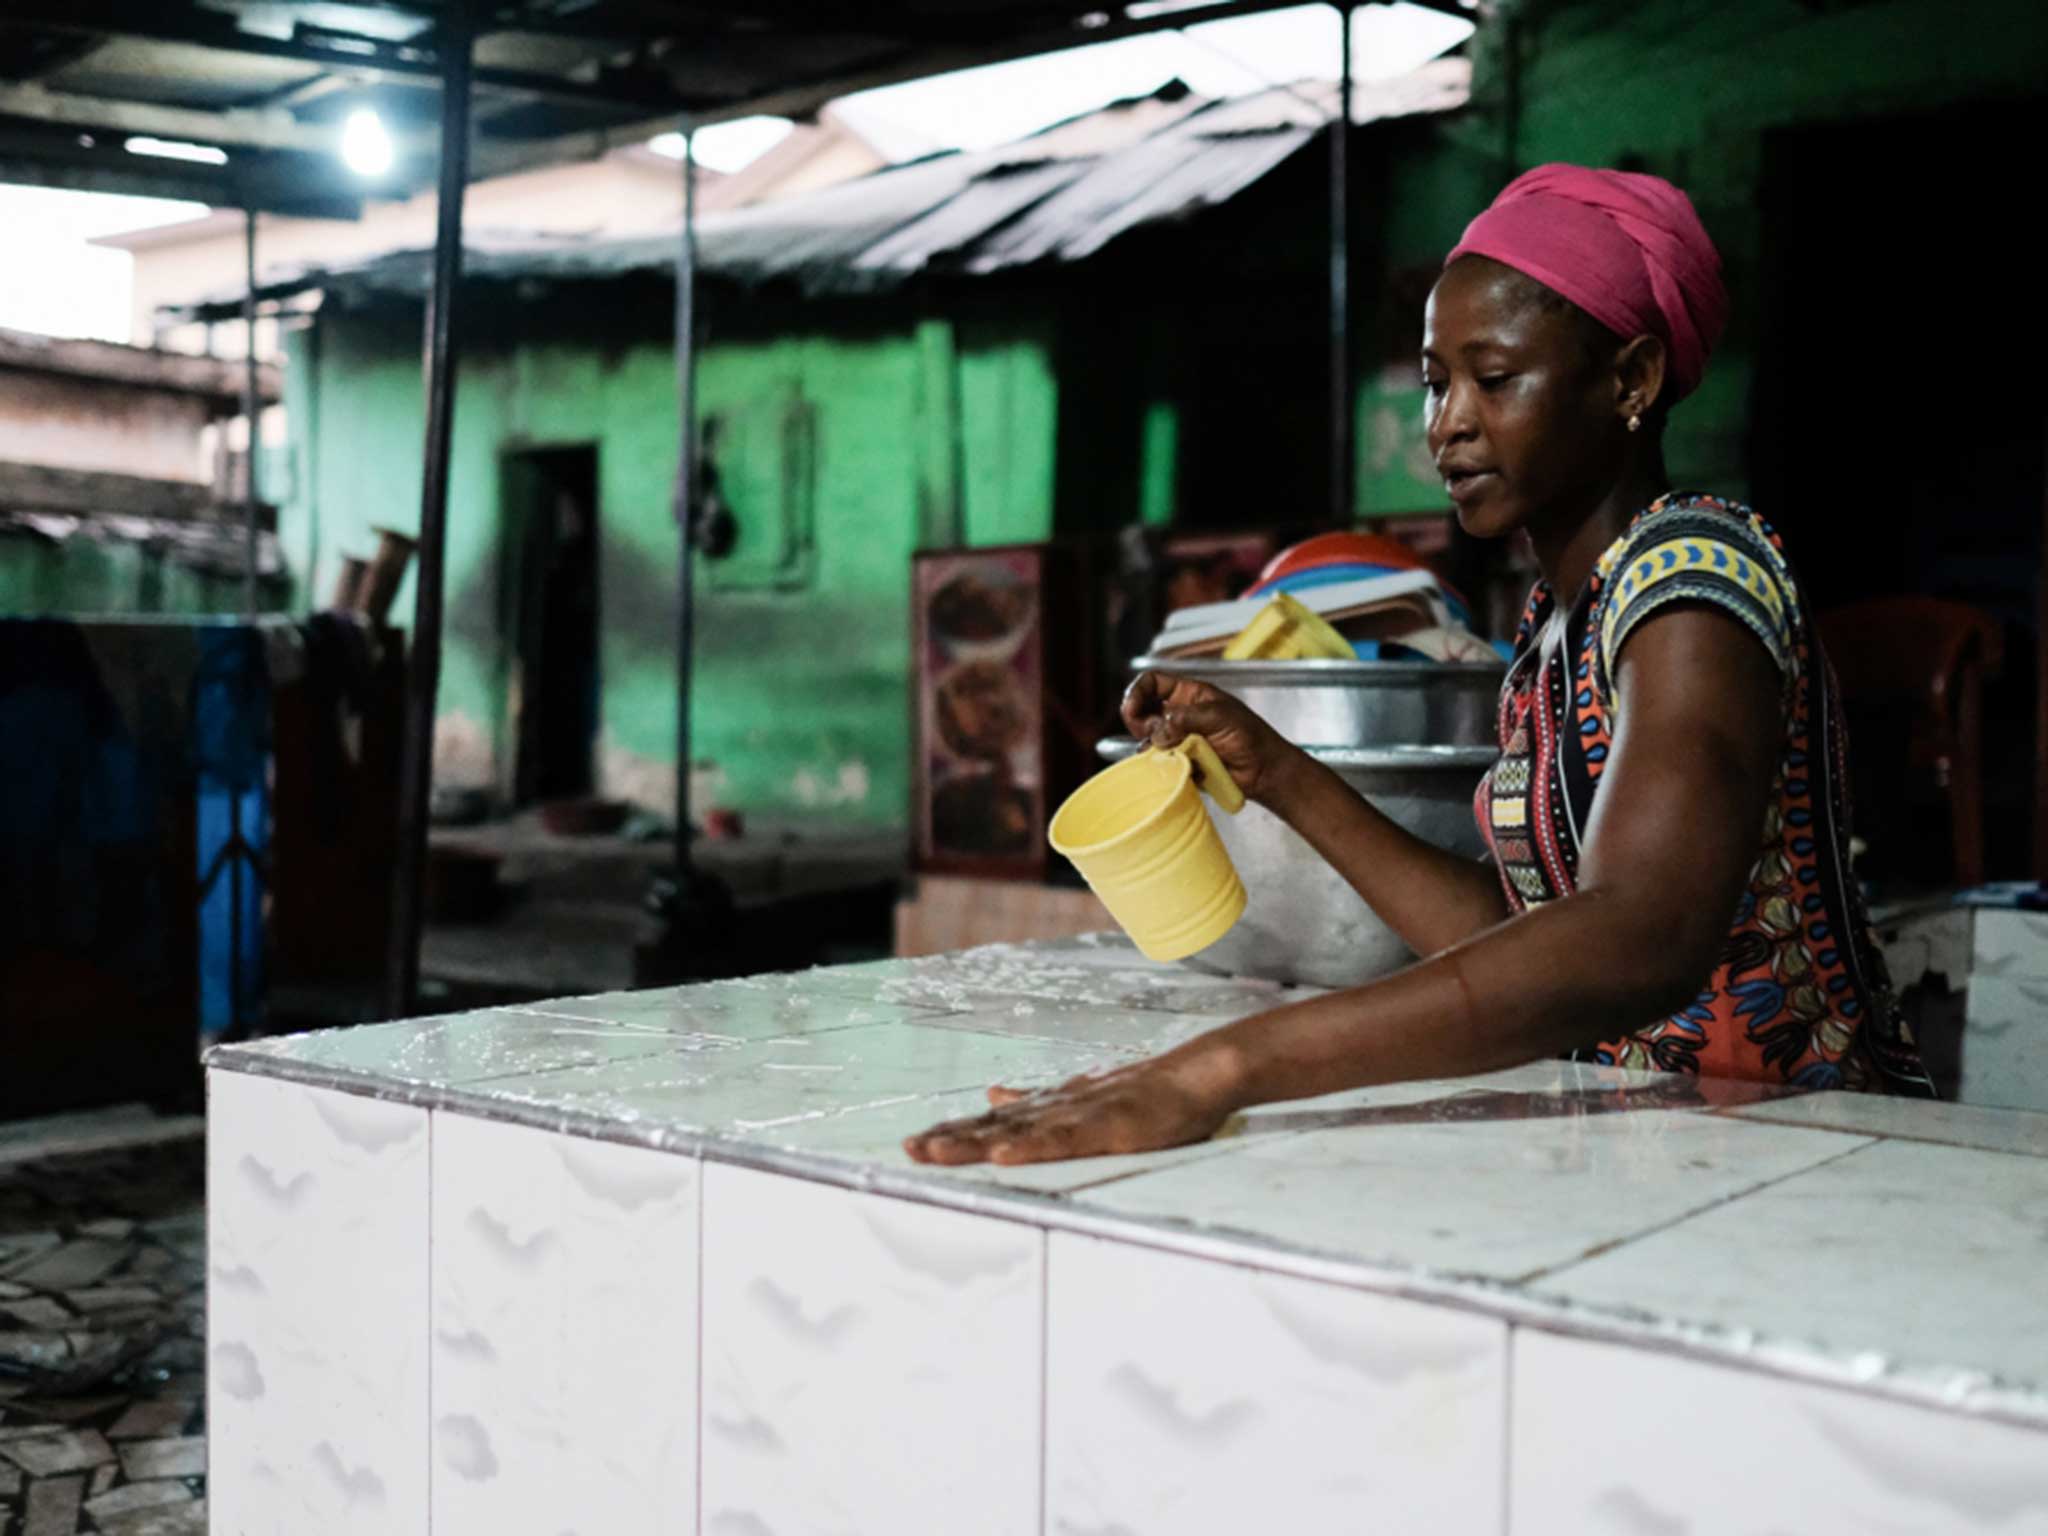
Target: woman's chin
1487,518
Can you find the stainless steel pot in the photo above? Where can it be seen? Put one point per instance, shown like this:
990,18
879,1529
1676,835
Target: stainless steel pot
1357,703
1302,922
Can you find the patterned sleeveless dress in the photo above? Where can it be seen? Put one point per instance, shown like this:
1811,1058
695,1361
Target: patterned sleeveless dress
1799,994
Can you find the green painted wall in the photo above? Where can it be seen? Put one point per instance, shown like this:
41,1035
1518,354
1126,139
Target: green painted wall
1009,409
1687,91
1158,464
911,438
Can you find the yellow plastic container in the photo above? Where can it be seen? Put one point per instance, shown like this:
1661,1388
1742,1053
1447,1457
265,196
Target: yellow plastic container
1286,630
1141,838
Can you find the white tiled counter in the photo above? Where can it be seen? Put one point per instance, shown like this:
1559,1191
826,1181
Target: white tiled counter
1997,955
655,1263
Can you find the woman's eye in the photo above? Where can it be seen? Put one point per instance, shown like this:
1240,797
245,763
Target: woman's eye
1434,386
1494,380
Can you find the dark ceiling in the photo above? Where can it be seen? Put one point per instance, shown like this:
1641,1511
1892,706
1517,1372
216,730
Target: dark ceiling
268,81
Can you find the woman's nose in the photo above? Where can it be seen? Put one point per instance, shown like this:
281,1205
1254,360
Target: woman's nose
1449,417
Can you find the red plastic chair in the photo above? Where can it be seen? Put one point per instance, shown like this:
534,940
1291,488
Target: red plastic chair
1923,660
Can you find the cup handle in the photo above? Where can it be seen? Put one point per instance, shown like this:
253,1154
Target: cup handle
1210,774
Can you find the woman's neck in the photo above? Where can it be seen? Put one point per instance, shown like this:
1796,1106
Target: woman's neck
1568,551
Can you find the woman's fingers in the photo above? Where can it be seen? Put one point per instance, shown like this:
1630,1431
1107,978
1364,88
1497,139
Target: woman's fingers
968,1139
1100,1127
1144,705
1136,1107
956,1141
1161,708
1088,1117
1043,1138
1020,1121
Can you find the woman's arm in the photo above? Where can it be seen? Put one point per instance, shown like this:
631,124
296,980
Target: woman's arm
1675,831
1430,897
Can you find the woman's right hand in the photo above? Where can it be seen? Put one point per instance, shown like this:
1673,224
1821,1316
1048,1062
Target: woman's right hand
1161,709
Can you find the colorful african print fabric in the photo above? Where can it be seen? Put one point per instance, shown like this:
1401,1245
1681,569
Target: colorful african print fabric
1799,994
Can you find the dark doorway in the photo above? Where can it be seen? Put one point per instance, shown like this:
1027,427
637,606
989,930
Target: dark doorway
1898,435
551,549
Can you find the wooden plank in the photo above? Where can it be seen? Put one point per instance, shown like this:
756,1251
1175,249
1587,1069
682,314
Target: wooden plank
96,493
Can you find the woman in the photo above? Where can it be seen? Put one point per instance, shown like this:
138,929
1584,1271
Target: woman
1669,883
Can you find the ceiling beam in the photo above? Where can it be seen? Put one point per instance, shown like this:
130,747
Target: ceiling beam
31,55
1448,8
250,127
363,58
300,185
654,94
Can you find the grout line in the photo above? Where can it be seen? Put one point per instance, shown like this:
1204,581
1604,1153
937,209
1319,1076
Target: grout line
703,1185
206,1280
1044,1367
1600,1250
1507,1439
1746,1112
427,1440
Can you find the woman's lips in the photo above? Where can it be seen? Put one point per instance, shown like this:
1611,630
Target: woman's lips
1464,485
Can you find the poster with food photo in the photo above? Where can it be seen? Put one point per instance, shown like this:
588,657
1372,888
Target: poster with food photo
981,750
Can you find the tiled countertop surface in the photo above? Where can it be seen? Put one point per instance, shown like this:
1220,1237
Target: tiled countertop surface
1899,1247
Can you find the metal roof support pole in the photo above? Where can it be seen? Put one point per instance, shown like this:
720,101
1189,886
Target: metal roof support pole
697,930
2041,707
252,413
687,476
441,352
1342,468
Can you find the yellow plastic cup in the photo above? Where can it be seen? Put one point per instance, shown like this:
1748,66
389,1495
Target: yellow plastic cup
1143,841
1287,629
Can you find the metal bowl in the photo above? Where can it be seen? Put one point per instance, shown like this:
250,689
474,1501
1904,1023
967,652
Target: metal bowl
1357,703
1302,923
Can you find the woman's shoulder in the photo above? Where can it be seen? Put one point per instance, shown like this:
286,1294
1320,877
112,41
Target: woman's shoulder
1696,548
1705,519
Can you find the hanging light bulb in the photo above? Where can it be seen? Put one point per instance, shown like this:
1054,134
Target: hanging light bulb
366,143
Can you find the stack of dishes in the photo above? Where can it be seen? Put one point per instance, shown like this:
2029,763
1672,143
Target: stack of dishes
1412,737
1330,558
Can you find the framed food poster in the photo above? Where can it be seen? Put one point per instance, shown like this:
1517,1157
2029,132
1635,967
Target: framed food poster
997,641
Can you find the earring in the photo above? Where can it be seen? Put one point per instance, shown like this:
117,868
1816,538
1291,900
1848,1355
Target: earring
1635,421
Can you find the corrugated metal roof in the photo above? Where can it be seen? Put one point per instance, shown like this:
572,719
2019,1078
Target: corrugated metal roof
822,233
1168,177
963,221
1058,196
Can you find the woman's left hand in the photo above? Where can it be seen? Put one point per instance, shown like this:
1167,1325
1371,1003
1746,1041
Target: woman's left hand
1139,1108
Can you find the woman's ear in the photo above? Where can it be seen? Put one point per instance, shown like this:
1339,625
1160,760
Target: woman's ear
1639,376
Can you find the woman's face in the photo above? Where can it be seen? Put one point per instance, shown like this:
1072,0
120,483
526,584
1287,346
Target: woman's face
1521,407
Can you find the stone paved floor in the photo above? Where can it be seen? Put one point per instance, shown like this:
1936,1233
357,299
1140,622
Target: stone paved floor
102,1342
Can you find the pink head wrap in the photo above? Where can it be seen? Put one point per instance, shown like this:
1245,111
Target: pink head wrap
1626,248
